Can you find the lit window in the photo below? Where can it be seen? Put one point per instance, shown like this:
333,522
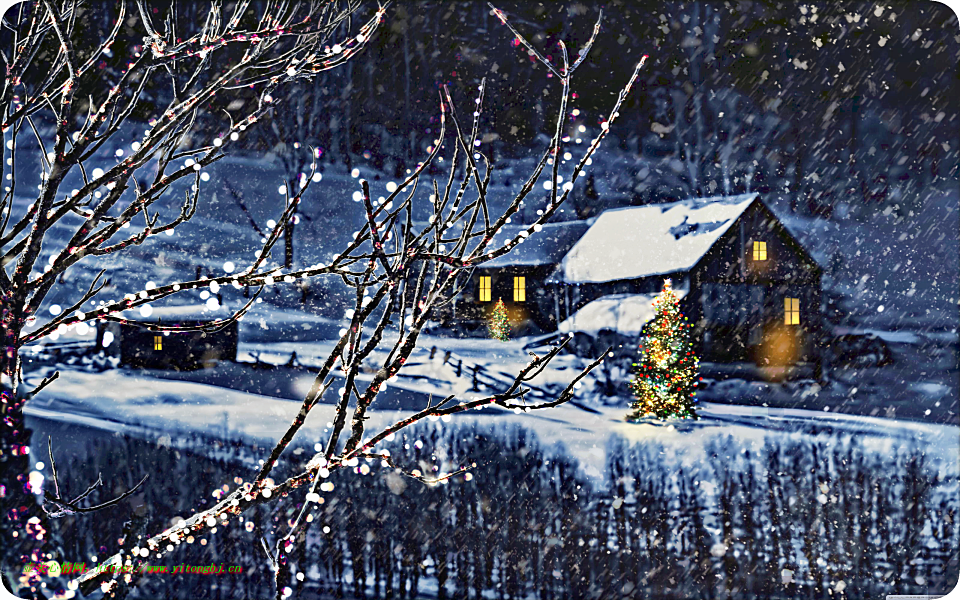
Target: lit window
791,311
158,342
485,289
759,251
519,289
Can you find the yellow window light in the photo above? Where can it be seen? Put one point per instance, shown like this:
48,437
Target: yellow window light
519,289
158,342
759,251
485,289
791,311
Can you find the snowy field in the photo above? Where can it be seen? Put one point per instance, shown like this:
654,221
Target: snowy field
631,487
118,401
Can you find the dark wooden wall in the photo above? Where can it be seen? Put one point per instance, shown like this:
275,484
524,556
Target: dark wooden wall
737,303
536,313
181,351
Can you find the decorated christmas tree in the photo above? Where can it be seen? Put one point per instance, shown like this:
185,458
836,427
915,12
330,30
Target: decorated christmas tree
665,376
498,324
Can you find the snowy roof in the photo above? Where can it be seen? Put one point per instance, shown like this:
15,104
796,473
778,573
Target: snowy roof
545,247
183,312
628,243
623,313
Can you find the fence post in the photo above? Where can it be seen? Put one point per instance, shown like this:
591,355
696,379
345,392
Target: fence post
476,370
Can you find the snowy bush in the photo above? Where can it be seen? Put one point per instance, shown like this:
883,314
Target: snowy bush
811,515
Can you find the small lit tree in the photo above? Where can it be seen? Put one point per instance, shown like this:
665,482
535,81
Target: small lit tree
499,324
665,376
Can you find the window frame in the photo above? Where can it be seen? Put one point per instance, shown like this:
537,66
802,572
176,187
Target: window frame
158,343
519,291
791,311
760,251
485,292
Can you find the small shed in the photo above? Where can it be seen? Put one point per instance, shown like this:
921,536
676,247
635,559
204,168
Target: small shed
142,347
518,278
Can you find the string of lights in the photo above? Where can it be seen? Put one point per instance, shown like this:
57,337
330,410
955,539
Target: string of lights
665,376
499,323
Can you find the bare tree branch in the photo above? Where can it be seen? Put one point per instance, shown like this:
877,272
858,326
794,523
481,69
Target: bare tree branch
71,507
400,272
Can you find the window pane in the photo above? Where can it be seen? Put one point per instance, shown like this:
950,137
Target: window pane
791,311
519,289
485,289
759,251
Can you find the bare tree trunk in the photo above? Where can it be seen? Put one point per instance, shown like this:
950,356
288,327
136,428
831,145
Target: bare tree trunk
347,119
288,243
681,147
288,226
855,170
800,152
410,150
17,504
697,80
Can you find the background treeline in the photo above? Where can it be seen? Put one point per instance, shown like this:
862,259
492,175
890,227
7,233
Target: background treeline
791,518
838,105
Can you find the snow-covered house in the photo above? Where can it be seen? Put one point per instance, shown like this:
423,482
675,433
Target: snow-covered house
749,287
179,350
518,278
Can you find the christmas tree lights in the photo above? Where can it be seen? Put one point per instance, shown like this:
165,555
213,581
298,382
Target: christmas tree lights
665,376
499,325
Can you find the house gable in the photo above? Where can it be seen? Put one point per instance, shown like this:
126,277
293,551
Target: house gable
739,290
733,259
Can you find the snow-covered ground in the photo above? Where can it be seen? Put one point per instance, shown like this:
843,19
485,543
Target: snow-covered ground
125,402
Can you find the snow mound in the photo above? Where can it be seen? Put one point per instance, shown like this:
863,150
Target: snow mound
624,313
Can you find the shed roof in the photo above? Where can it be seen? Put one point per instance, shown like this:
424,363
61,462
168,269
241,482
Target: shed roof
655,239
545,247
182,312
